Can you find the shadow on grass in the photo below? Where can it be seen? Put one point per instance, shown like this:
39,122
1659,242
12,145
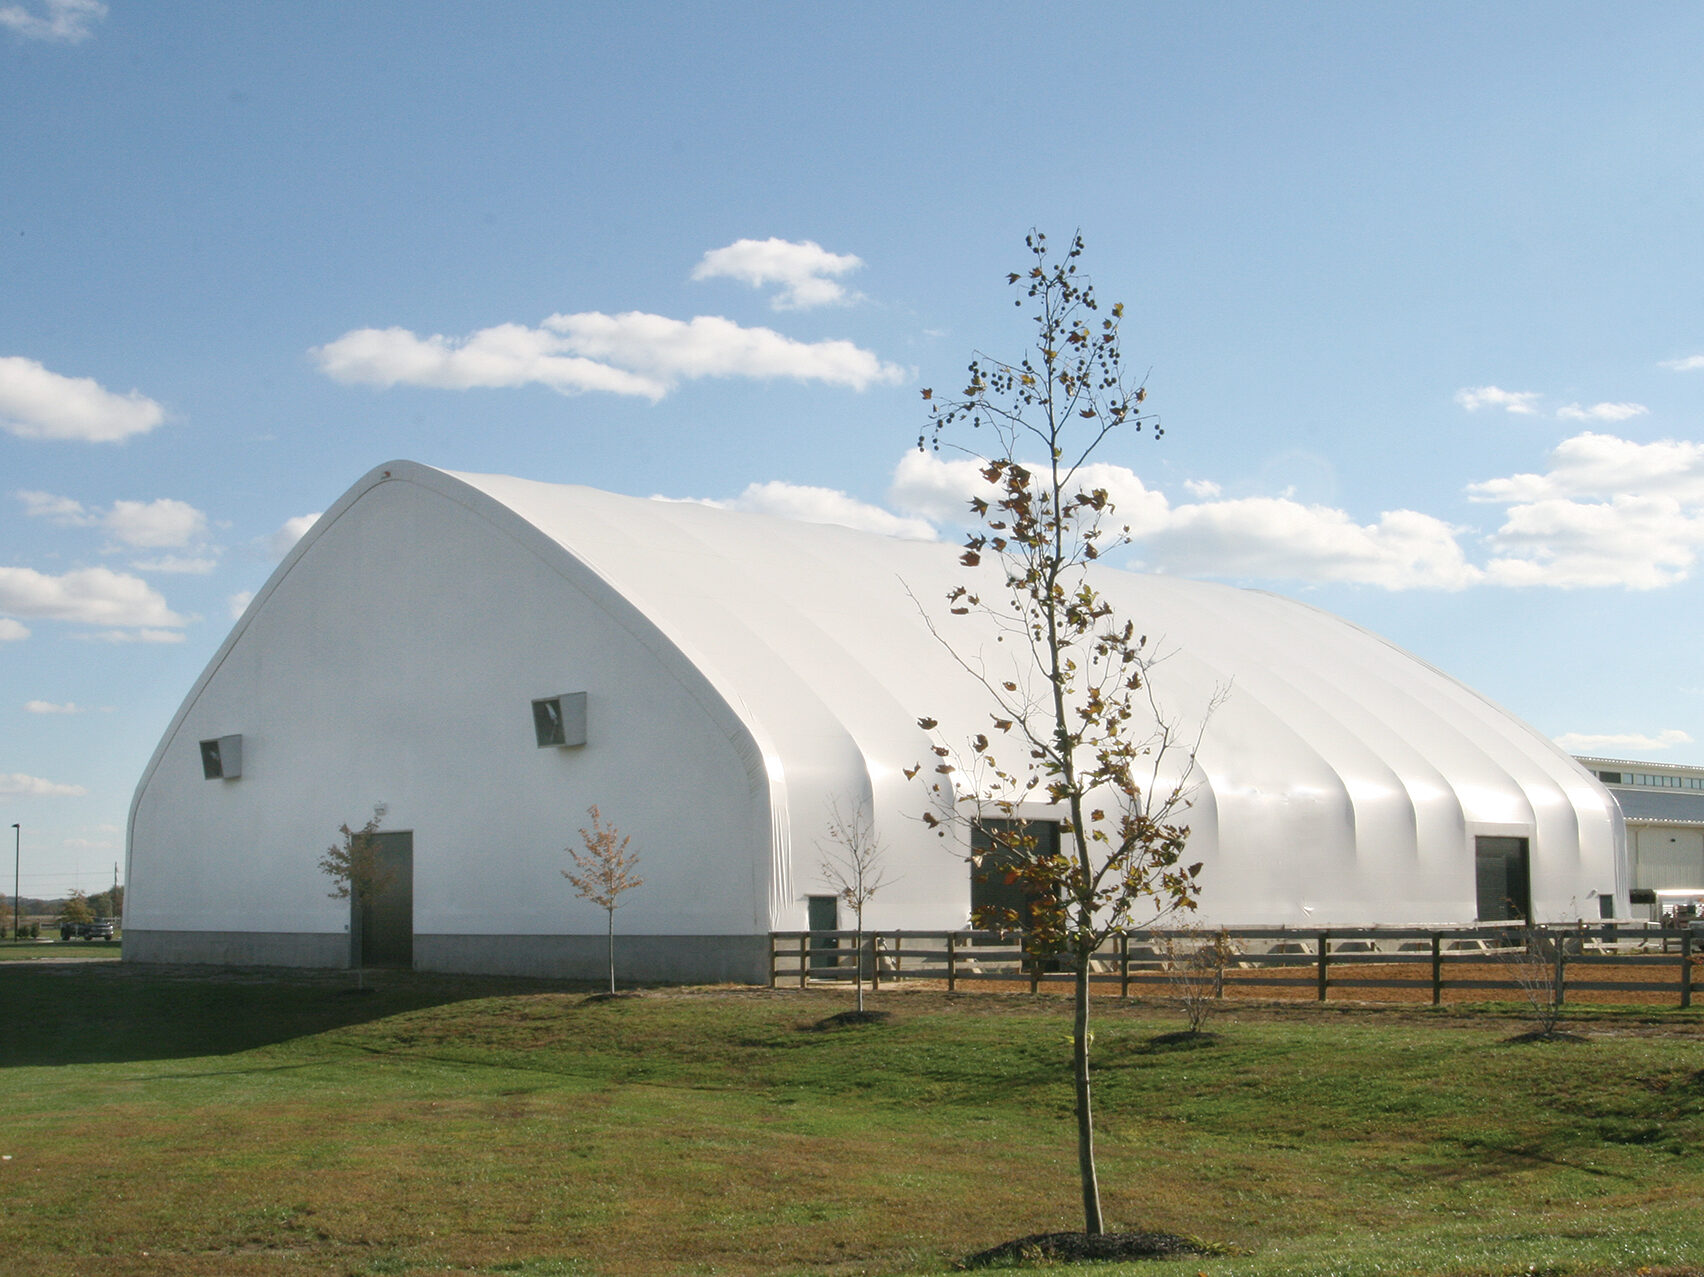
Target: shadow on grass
1183,1040
94,1013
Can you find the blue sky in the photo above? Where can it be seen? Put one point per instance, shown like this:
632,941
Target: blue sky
1419,289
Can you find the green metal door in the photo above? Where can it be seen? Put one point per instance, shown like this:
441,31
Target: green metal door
385,916
824,916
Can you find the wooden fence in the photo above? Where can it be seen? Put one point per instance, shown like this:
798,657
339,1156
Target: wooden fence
1599,962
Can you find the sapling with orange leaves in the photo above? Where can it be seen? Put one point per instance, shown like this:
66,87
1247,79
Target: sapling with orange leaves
1076,738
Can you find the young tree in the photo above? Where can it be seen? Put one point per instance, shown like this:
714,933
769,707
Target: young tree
1536,966
357,875
76,908
1195,965
1080,732
603,871
852,865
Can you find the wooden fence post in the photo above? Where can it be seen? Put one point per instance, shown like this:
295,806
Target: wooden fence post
1437,969
1322,960
804,956
1685,967
952,968
1124,965
1560,941
771,959
875,962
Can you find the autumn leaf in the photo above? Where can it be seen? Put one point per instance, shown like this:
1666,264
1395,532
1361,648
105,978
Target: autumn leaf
927,724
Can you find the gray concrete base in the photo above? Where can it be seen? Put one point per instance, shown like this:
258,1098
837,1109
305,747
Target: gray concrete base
238,948
638,959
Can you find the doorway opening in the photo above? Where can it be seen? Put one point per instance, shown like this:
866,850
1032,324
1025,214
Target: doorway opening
824,916
1504,880
382,920
994,883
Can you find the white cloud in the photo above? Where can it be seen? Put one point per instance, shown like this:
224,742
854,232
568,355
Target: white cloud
163,524
1587,743
710,346
90,596
1601,411
137,636
1639,542
1692,363
155,525
805,271
38,404
12,631
18,785
1272,537
1599,465
628,354
1523,402
142,525
941,489
1490,396
1275,537
1606,512
238,603
49,707
66,20
177,564
289,532
61,510
507,355
937,489
825,505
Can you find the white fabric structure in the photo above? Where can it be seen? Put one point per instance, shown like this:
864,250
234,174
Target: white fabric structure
740,674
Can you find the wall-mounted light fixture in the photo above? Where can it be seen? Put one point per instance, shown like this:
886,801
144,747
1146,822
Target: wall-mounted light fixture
222,758
560,720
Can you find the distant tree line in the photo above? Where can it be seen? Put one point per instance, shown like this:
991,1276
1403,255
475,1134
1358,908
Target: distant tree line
76,907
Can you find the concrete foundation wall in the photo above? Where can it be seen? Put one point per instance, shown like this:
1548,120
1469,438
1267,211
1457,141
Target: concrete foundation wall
238,948
638,959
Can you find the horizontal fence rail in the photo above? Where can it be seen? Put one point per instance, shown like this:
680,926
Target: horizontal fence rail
1646,964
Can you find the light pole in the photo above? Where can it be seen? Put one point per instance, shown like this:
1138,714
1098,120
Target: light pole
17,858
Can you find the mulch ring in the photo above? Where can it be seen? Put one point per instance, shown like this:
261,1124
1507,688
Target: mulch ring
1076,1248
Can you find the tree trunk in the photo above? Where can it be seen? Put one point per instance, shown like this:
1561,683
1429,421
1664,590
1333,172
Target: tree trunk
1085,1111
858,964
612,950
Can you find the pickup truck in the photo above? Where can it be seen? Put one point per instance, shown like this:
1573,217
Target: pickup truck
99,929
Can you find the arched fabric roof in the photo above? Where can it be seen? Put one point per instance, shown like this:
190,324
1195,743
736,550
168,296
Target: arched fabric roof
1342,780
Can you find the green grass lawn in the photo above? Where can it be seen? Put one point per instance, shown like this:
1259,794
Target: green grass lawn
57,950
163,1122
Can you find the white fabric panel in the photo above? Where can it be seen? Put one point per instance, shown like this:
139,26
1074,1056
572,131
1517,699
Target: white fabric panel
743,673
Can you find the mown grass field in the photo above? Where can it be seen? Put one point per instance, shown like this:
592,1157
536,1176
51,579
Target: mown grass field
178,1122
